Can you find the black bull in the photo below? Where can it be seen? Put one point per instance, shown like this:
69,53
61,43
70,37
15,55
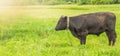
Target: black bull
92,23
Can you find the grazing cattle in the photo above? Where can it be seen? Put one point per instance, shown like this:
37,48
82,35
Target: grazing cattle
92,23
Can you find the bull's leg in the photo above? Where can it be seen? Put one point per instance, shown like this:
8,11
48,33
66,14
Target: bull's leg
111,37
82,36
83,40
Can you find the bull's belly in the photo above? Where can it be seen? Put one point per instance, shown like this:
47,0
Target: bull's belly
96,31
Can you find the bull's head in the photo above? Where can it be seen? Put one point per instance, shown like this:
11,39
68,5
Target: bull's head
62,23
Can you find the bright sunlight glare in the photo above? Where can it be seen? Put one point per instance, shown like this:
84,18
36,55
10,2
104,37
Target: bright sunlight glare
9,7
5,5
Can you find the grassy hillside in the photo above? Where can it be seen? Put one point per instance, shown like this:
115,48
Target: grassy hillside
32,33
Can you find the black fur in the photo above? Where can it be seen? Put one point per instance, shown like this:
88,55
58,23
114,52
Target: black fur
92,23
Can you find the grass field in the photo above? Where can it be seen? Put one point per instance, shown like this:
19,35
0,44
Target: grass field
31,32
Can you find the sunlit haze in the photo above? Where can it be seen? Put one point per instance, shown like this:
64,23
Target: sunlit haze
8,6
6,3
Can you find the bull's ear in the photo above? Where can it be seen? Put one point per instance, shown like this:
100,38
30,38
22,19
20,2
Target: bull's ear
62,16
65,17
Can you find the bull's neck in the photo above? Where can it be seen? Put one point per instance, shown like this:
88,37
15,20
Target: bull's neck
68,22
71,20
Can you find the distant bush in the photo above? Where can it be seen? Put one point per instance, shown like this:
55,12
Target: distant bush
99,2
56,2
102,1
82,1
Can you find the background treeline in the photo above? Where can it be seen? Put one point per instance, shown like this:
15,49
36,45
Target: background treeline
55,2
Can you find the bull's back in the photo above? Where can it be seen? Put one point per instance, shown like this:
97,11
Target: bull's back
99,18
99,22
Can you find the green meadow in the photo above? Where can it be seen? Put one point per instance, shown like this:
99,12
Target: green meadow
32,32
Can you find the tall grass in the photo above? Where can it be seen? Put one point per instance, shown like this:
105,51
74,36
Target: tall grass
33,34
